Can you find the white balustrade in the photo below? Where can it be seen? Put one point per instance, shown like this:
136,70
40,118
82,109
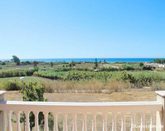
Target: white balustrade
115,116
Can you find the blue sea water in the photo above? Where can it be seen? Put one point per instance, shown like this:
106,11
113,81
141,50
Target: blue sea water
109,60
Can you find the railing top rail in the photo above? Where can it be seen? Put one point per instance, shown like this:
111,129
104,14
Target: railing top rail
145,106
2,92
83,104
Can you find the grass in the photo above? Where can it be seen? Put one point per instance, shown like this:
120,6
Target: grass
4,81
88,86
63,86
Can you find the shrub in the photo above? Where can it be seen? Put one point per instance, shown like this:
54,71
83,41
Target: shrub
138,80
128,77
128,67
143,80
33,92
12,85
16,72
148,68
109,69
50,74
141,64
26,63
3,63
160,61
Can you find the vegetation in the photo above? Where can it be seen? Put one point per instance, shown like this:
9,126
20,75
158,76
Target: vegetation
16,60
160,61
33,92
16,72
33,79
81,75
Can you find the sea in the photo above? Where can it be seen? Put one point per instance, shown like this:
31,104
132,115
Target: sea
108,60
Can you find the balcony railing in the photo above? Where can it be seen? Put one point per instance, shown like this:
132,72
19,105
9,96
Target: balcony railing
83,116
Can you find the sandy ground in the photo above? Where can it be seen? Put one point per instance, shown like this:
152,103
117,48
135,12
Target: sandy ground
132,95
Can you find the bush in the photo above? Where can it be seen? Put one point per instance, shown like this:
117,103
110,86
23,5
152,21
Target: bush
26,63
138,81
109,69
143,81
148,68
160,61
16,73
78,76
33,92
13,85
3,63
50,74
128,77
128,67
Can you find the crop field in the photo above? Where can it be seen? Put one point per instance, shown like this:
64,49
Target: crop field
72,77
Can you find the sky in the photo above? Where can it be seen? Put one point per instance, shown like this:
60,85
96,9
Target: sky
82,28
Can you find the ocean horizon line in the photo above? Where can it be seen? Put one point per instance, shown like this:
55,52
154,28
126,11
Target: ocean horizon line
109,60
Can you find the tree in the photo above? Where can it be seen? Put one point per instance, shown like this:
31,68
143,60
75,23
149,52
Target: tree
35,63
160,61
96,63
16,60
51,64
141,64
33,92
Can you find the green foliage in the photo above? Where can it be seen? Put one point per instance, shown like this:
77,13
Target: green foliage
50,74
128,77
35,63
160,61
96,64
138,80
148,68
16,72
135,73
78,75
16,60
51,64
72,64
33,92
3,63
141,64
109,69
26,63
143,81
5,82
128,67
87,75
13,85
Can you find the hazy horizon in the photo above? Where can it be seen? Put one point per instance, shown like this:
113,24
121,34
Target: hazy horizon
90,58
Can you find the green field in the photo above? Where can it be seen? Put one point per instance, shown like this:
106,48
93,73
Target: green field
96,77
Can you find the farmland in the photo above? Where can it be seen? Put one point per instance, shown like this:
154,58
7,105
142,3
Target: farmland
82,77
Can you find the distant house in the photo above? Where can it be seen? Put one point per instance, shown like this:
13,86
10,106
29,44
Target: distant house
155,65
